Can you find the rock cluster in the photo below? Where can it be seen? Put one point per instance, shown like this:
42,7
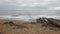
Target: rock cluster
48,21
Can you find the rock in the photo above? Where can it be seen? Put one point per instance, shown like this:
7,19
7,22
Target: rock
49,21
41,20
6,23
11,23
54,22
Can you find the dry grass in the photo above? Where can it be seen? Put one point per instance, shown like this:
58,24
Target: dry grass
23,27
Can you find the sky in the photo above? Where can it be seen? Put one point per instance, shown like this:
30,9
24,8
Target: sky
18,7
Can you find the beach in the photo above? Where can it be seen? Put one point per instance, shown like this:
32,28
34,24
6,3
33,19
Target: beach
23,27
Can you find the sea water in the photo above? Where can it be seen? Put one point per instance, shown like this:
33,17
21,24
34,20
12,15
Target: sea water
27,17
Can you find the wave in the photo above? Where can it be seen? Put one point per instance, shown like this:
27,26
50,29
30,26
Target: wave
27,17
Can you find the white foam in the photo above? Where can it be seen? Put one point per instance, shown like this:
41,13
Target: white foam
27,17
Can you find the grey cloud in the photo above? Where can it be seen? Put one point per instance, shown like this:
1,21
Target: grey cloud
12,7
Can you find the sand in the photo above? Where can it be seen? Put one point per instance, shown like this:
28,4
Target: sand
24,27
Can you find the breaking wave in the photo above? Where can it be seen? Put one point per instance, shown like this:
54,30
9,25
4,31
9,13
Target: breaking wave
26,17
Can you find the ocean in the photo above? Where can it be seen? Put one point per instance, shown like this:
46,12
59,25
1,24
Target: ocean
27,17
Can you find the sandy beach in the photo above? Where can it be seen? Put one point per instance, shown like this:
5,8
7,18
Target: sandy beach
24,27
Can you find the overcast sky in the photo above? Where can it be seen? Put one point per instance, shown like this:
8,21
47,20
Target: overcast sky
49,7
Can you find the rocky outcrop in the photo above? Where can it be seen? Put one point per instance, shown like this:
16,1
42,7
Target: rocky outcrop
49,21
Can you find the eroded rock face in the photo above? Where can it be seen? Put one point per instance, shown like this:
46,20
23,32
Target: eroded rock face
48,21
41,20
54,22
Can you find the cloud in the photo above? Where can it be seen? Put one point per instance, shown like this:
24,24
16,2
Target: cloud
54,8
23,4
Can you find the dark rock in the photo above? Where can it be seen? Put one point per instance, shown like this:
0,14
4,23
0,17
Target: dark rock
54,22
6,23
10,23
49,21
41,20
18,26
